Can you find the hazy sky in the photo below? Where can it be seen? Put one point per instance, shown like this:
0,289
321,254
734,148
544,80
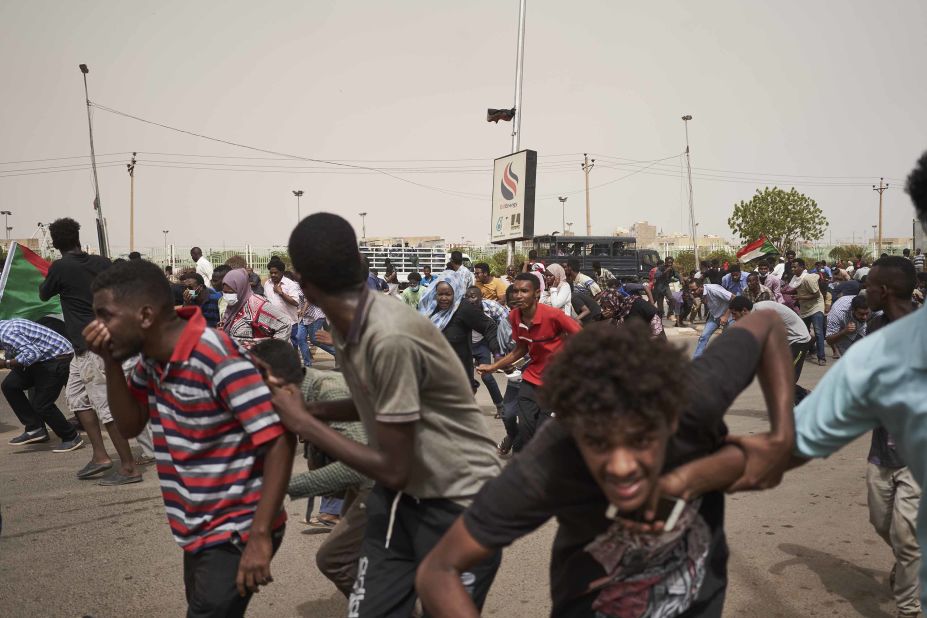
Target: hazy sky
828,95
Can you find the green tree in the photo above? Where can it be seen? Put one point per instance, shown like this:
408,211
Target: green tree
685,260
849,252
783,217
497,262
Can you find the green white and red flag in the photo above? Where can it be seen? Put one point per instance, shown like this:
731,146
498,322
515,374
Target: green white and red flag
756,249
23,272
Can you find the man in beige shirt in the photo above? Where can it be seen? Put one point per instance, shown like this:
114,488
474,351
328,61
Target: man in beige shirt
810,305
429,451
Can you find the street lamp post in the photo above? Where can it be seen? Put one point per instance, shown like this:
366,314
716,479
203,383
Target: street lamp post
6,222
363,216
101,222
165,238
130,167
298,193
685,120
563,205
874,247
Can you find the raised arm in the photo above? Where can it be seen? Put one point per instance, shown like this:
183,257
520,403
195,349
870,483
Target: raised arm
768,454
130,415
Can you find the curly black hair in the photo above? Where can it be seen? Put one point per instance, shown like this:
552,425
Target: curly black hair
65,234
917,188
606,374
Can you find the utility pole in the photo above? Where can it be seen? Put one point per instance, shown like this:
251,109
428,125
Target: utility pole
516,121
563,204
881,189
6,224
363,216
692,224
131,169
588,164
298,193
101,222
874,246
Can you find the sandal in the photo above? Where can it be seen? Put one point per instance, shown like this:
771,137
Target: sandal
318,522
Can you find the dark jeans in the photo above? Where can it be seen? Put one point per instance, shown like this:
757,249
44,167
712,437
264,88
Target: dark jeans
47,379
209,579
313,329
390,554
530,414
816,321
659,295
799,352
510,411
483,356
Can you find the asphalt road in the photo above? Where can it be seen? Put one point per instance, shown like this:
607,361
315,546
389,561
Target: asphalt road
73,548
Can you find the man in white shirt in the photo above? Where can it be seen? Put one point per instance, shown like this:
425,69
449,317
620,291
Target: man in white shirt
284,294
203,266
796,333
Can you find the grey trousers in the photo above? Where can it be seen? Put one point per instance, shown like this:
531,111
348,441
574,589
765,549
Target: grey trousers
894,497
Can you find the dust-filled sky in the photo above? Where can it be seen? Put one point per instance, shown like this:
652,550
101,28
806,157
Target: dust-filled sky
825,96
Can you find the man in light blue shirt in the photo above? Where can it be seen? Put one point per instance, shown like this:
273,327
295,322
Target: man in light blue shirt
881,380
734,281
717,300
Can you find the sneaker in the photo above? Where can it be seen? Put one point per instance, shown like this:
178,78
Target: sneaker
30,437
505,446
69,445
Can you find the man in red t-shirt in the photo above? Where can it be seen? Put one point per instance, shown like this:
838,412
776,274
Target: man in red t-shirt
538,331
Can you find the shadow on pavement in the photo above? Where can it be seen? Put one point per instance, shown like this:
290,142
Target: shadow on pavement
865,589
335,605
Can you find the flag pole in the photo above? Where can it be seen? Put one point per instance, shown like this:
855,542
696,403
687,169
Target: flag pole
516,121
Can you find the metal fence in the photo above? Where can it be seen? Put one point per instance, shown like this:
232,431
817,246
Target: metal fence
178,256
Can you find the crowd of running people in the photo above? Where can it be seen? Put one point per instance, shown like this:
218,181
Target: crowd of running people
214,372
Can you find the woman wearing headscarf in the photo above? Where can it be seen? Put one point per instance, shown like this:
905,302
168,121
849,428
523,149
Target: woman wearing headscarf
559,294
249,318
442,304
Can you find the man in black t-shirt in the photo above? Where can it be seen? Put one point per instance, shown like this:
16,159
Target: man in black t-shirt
69,278
587,310
618,441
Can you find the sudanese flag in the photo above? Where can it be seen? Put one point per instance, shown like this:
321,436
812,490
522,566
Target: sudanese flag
23,271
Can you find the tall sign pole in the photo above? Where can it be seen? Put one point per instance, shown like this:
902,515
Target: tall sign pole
516,122
101,222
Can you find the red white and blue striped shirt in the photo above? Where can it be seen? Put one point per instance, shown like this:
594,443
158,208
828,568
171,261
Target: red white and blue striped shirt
211,418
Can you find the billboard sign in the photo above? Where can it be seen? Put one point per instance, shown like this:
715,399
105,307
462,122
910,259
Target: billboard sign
513,185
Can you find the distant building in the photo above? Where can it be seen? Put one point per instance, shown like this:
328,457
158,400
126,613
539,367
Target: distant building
645,233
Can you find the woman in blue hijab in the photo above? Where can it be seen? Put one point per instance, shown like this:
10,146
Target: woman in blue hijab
442,304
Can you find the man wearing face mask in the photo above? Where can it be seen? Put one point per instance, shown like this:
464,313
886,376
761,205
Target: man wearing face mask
198,295
412,294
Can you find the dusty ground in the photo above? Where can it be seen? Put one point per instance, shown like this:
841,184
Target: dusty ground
72,548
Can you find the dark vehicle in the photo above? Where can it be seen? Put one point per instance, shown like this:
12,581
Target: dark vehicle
619,254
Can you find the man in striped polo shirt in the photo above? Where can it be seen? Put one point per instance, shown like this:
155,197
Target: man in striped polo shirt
223,457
